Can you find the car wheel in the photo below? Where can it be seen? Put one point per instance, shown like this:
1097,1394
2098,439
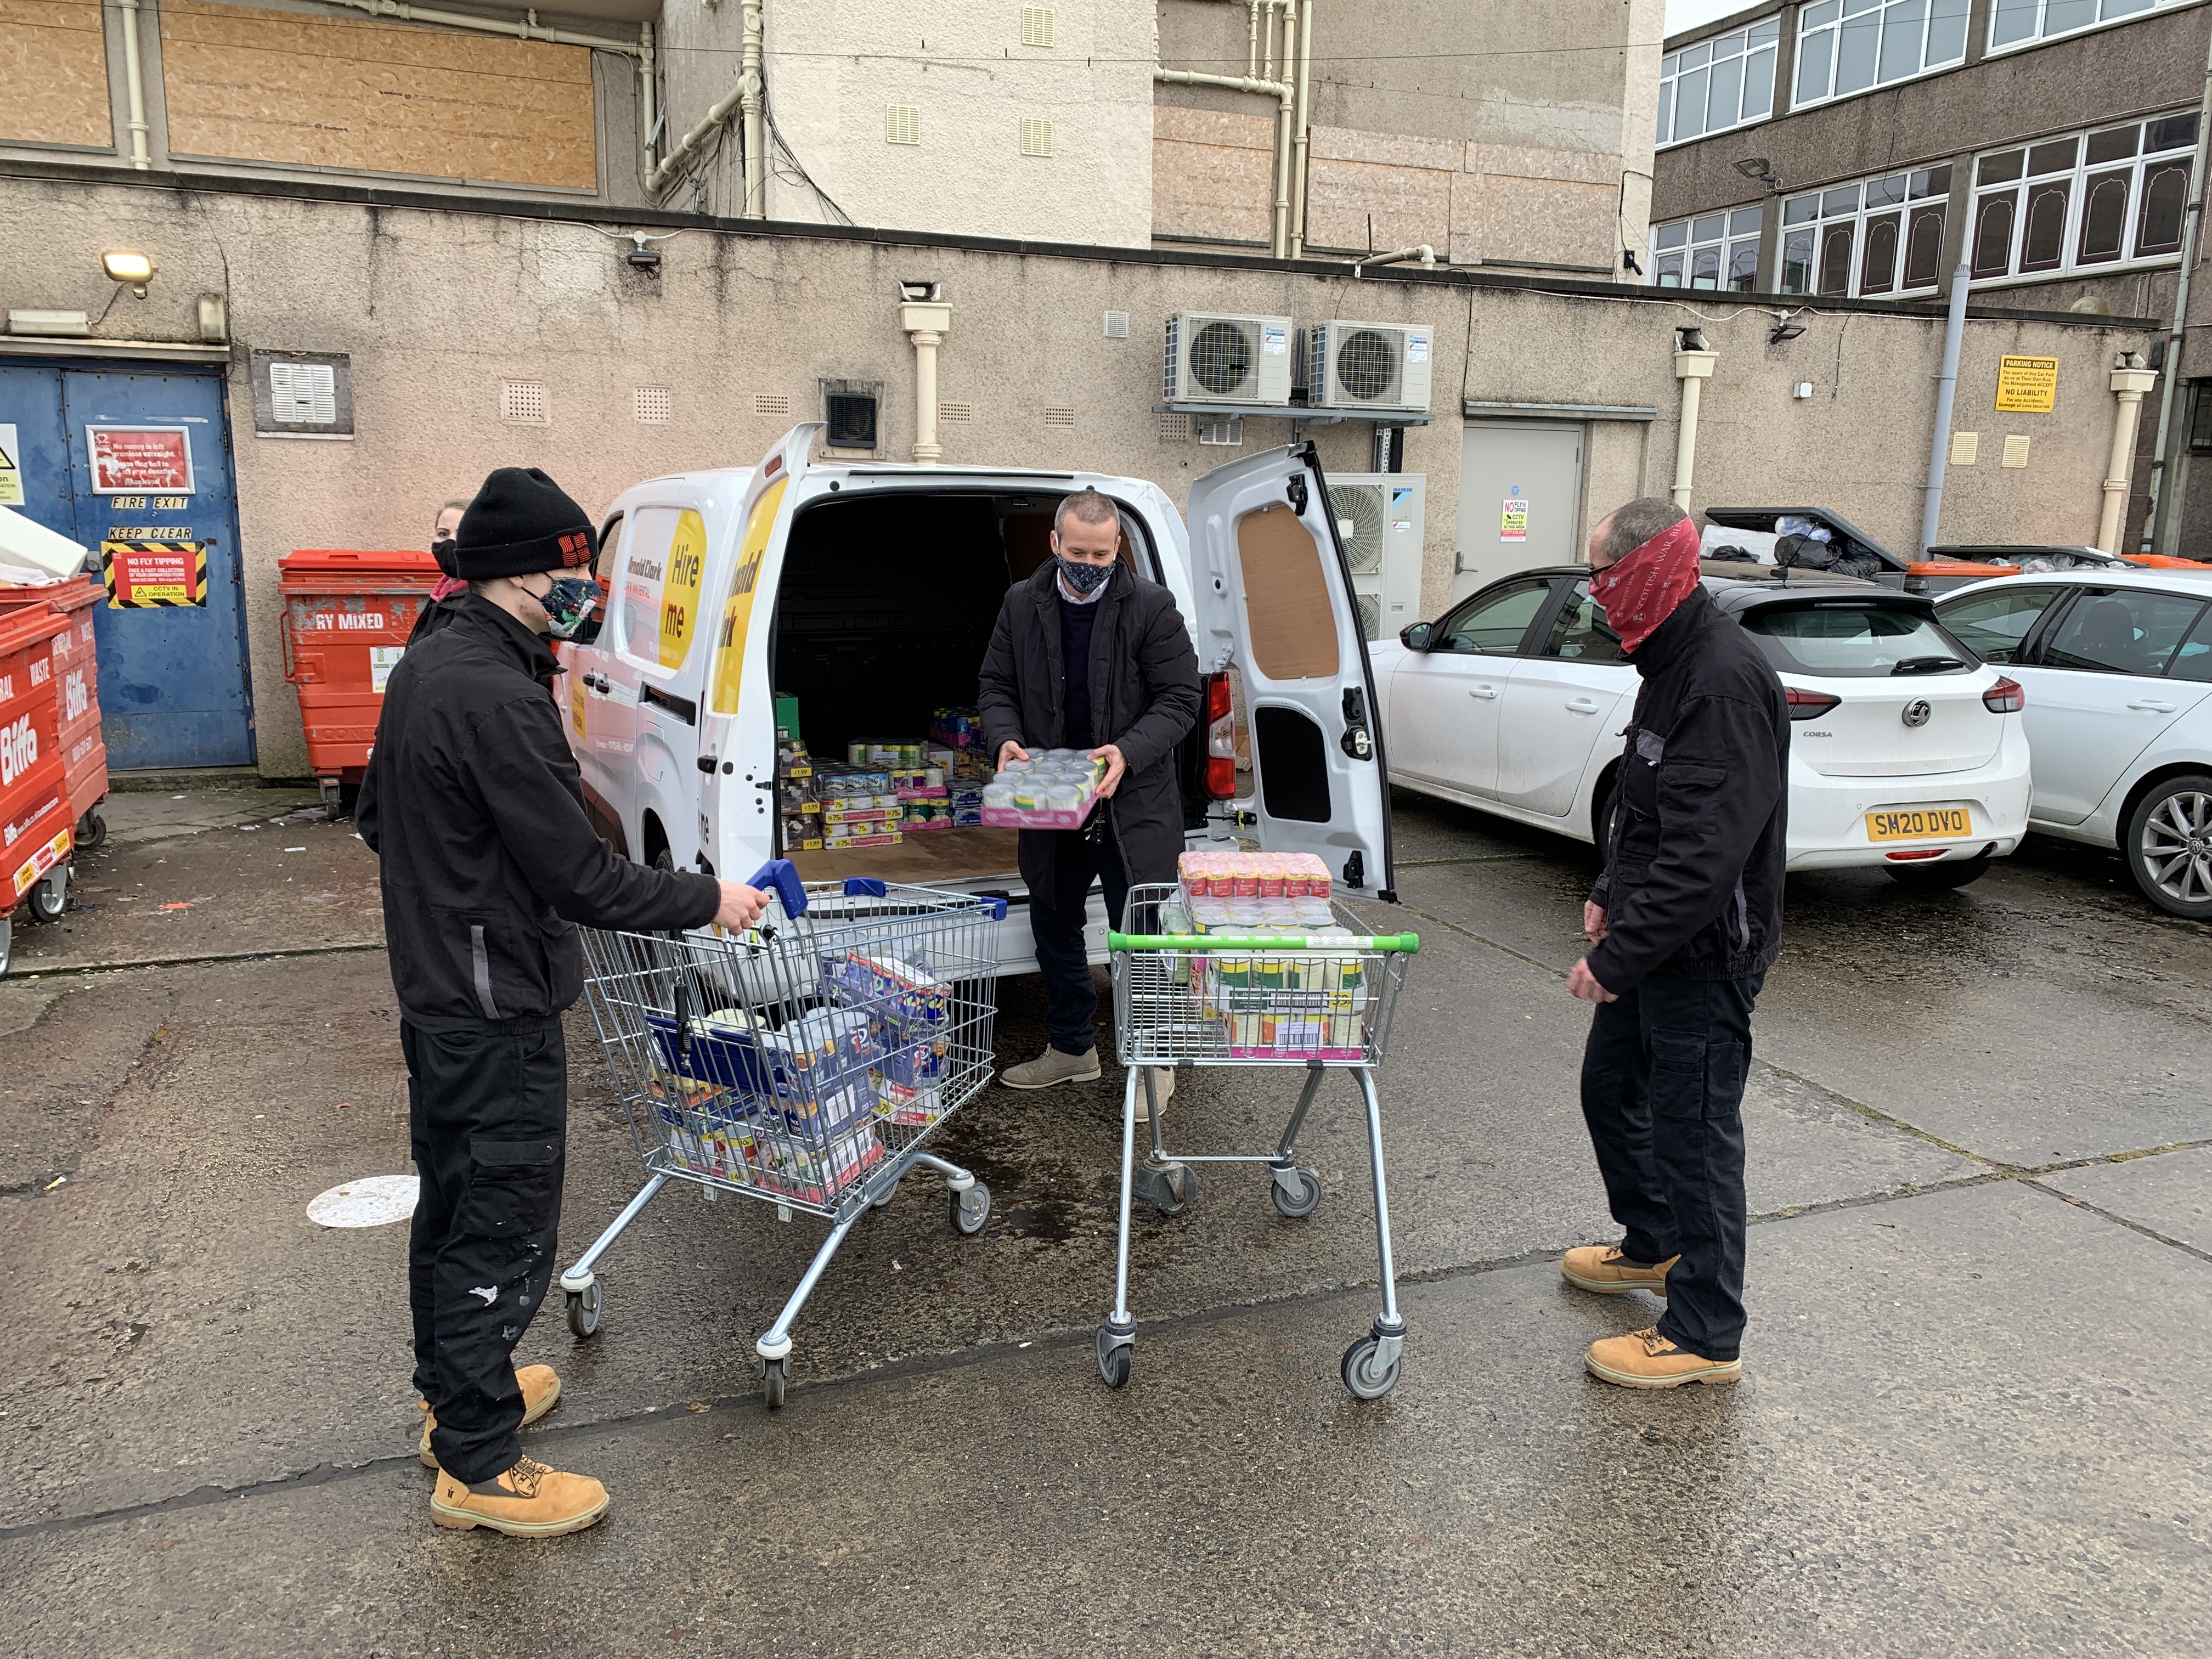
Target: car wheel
2168,846
1941,876
1601,820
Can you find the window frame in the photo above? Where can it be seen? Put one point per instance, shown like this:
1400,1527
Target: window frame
1909,211
2028,636
1832,26
1992,48
2075,182
1671,75
2037,641
1569,592
1731,243
1544,609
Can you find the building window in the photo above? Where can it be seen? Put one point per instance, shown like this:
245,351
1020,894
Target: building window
2200,417
1718,250
1868,240
2023,22
1718,84
2089,199
1846,46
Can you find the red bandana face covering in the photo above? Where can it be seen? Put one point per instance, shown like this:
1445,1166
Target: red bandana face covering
1642,590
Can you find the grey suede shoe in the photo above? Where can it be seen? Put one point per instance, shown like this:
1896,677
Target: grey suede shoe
1162,1087
1053,1066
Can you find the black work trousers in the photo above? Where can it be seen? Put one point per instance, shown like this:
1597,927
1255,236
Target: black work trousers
488,1115
1662,1092
1071,1001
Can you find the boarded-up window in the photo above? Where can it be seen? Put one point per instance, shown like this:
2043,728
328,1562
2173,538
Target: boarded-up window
1286,599
53,73
297,89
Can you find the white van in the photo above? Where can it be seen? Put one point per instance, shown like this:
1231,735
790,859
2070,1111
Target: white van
868,593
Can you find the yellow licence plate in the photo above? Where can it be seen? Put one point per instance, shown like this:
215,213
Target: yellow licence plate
1920,823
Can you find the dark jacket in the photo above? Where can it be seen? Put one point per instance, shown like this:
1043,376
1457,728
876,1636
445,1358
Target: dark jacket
472,805
1143,697
1692,882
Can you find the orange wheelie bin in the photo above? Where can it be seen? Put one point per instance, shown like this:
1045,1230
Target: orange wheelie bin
35,834
347,616
76,691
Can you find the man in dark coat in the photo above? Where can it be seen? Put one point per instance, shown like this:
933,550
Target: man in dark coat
472,805
1683,925
1087,654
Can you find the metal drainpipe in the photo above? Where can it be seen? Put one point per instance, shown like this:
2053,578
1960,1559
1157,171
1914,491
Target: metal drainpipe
135,81
927,326
1279,243
1304,125
646,90
2128,385
756,127
1693,369
2161,527
1946,386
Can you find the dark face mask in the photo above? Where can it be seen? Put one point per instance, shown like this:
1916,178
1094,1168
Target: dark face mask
441,549
1084,578
569,603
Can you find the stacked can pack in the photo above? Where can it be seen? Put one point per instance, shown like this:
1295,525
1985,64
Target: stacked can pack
861,805
797,805
1308,1003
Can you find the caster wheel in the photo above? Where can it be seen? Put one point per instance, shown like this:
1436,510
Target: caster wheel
7,944
1170,1188
49,894
333,799
92,831
1366,1380
970,1210
775,1376
885,1199
584,1311
1113,1356
1302,1203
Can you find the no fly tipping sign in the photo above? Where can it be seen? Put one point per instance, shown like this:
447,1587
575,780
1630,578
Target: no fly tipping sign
2027,385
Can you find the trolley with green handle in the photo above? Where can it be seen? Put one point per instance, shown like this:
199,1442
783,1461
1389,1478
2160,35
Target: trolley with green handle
1320,1002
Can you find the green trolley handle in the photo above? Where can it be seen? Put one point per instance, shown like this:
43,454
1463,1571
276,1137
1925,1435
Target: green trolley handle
1404,943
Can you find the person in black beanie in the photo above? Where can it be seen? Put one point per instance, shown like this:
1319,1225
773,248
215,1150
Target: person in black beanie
473,806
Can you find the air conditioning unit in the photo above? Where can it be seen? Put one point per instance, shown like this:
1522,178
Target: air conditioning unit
1235,362
1378,518
1368,369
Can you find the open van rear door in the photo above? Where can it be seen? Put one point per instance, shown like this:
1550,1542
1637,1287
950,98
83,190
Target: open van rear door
1274,602
736,725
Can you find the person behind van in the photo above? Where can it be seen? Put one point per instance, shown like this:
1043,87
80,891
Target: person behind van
1087,654
435,615
472,805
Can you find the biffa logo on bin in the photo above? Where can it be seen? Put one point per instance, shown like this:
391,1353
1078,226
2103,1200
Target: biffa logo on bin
19,750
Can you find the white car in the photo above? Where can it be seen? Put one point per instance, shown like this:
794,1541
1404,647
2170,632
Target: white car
2118,672
1907,754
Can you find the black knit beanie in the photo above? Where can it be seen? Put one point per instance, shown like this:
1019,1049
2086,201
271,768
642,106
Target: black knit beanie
520,522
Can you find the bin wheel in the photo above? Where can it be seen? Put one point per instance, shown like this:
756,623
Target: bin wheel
1113,1356
92,830
584,1311
775,1376
333,798
49,894
1304,1201
7,944
1366,1380
970,1210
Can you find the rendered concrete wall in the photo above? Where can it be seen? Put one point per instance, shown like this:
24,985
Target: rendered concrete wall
437,307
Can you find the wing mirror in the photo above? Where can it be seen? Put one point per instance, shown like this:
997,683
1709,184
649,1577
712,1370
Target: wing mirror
1416,638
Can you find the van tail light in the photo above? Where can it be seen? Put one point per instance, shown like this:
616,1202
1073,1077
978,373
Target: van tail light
2007,696
1220,740
1808,705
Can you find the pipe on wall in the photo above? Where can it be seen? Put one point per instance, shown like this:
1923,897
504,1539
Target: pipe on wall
753,108
1693,368
1260,56
135,81
1946,387
1305,127
2129,381
2161,524
927,326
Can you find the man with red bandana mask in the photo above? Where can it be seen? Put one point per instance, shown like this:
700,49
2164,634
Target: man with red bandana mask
1683,925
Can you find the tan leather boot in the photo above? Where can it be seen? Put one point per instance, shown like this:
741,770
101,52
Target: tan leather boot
1162,1087
527,1501
1649,1360
1603,1268
540,1386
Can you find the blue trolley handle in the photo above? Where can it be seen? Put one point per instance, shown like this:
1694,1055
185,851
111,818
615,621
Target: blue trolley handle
778,874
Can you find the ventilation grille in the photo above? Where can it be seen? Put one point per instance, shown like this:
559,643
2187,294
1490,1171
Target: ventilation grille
956,412
1117,324
1036,137
522,402
1036,25
903,124
1367,364
1175,429
768,403
1370,614
302,394
654,405
1226,431
1059,416
1221,356
1362,519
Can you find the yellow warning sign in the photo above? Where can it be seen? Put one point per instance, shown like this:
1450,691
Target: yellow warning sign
2027,385
145,575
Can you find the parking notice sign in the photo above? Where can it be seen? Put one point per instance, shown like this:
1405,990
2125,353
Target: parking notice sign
147,575
2027,385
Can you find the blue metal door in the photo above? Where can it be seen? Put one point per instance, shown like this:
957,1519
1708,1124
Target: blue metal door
173,685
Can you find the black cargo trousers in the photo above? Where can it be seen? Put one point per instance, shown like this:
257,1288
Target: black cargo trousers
487,1110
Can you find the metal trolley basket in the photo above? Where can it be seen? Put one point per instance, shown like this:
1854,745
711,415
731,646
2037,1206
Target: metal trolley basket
1320,1002
806,1064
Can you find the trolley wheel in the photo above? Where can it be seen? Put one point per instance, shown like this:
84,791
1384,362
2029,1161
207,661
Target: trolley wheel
970,1210
1361,1376
92,830
775,1376
584,1311
1305,1202
1114,1357
890,1193
1170,1188
48,896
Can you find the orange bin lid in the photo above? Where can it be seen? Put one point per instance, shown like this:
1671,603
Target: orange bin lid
2164,562
306,562
28,627
61,596
1959,568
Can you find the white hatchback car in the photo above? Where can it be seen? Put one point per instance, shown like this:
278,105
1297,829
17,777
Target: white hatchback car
1907,754
2118,672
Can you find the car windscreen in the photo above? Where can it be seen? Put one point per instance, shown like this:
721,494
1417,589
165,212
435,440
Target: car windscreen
1845,640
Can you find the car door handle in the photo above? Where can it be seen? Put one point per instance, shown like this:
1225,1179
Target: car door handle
1487,693
1582,705
2153,706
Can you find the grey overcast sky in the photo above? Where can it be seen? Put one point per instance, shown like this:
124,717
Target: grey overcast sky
1689,14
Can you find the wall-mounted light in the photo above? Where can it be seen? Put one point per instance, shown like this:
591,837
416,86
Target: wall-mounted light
129,266
642,257
1782,332
1759,167
1628,262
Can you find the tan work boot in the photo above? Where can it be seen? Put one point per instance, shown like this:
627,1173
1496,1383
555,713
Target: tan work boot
1649,1360
1603,1268
1162,1087
528,1501
1053,1066
540,1386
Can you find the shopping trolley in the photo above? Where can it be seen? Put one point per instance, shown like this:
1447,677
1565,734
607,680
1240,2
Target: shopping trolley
806,1064
1323,1002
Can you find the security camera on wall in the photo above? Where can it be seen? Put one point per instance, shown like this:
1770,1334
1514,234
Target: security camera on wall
1372,368
1229,361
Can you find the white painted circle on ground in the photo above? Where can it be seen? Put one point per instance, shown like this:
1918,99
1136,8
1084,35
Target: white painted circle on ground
371,1202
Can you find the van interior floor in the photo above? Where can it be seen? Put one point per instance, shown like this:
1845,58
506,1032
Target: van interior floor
930,859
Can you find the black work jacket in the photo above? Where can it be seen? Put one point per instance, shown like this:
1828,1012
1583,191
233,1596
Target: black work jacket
1144,698
1692,882
473,806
